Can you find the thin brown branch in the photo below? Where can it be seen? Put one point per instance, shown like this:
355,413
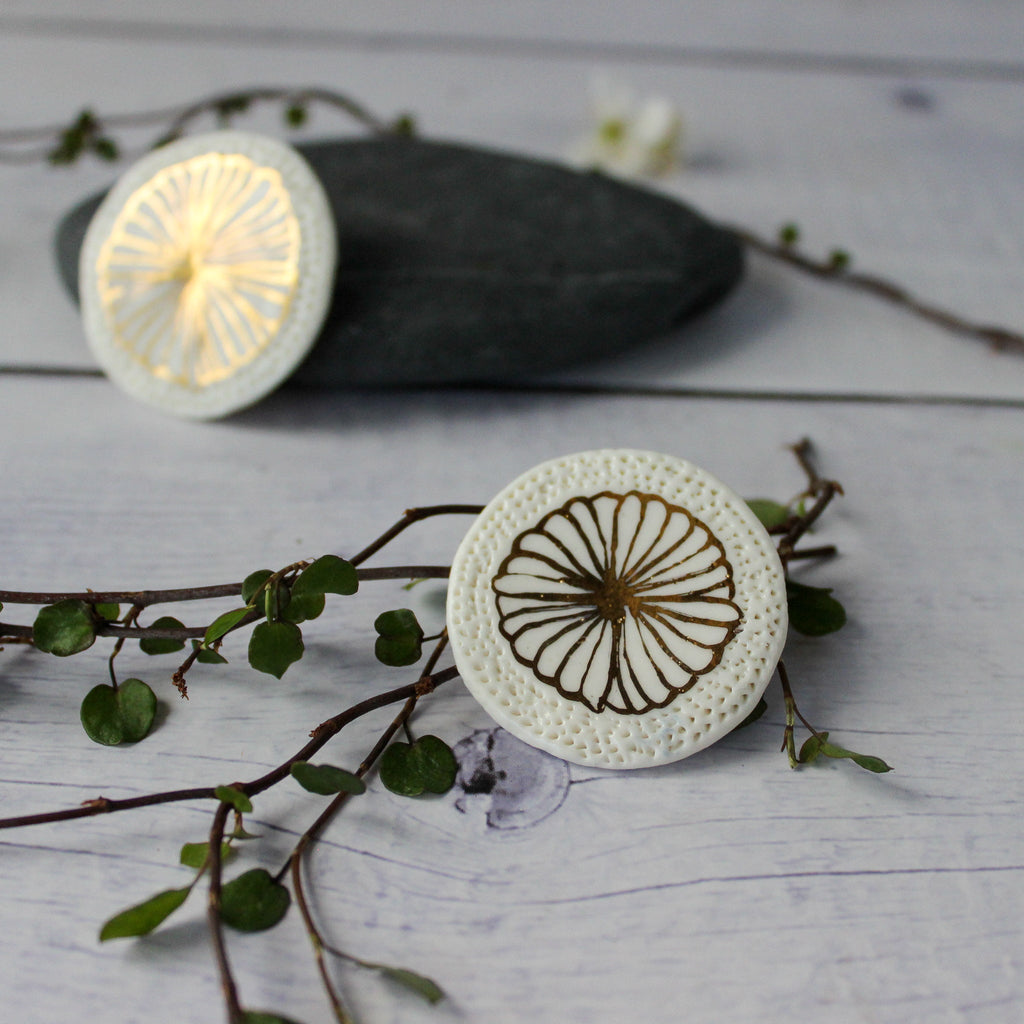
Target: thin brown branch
38,144
412,515
319,737
1001,339
818,488
294,861
213,919
146,598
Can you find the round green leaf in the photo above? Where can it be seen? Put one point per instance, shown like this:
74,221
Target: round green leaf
304,606
329,574
813,611
253,902
252,583
155,645
426,766
64,628
772,514
109,611
325,779
398,623
193,855
274,646
124,715
398,651
144,917
398,773
436,764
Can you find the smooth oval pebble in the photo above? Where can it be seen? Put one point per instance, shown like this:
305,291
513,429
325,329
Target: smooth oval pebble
459,264
617,608
207,271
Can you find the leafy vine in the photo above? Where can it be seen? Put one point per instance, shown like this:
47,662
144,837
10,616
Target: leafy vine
274,606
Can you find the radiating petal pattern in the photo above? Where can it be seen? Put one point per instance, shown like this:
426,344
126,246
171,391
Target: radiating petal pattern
617,600
200,268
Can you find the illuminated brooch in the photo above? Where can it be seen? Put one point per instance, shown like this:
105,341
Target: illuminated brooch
207,272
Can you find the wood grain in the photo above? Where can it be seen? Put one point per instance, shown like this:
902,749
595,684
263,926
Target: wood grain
725,888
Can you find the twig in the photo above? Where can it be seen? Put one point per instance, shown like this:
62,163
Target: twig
822,490
45,143
324,732
412,515
1000,339
213,918
145,598
295,858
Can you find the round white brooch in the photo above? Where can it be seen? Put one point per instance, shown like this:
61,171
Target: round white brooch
617,608
207,272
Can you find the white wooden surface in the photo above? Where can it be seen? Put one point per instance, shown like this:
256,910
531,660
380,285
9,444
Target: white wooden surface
723,889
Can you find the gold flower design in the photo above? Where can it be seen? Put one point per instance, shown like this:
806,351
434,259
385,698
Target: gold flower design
618,601
200,268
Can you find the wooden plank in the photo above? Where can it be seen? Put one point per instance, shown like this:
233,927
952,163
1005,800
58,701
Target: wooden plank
929,197
726,886
863,33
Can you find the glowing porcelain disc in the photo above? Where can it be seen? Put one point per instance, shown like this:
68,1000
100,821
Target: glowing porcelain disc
206,273
617,608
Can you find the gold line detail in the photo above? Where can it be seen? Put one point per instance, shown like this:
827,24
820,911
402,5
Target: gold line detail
200,268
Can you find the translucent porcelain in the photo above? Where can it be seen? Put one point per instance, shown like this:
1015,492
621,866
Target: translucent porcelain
207,271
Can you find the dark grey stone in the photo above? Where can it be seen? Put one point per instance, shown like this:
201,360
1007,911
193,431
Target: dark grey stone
464,265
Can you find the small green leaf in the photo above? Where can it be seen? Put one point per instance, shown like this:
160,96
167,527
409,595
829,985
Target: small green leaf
771,514
223,623
64,628
207,655
106,149
758,710
399,622
304,606
400,639
812,610
234,796
789,234
193,855
108,611
812,747
295,115
154,645
124,715
253,584
426,766
422,986
253,902
262,1017
866,761
274,646
329,574
397,652
144,917
325,779
839,260
404,125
